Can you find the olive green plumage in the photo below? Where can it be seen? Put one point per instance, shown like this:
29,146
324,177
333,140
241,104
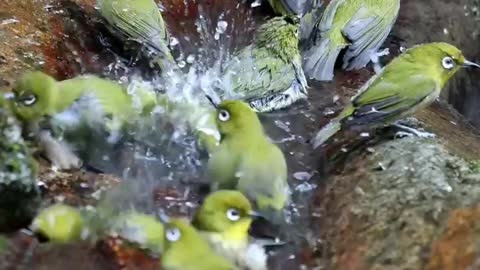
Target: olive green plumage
359,26
246,159
224,220
141,21
410,82
50,108
268,73
140,229
185,249
59,223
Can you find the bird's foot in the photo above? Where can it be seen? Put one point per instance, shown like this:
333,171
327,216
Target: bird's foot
383,52
375,58
409,122
59,153
409,132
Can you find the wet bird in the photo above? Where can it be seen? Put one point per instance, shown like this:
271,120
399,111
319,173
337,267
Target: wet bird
50,109
186,249
141,21
224,219
247,160
359,26
59,223
143,230
409,83
268,73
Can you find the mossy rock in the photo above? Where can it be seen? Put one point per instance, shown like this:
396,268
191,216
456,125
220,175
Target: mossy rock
19,194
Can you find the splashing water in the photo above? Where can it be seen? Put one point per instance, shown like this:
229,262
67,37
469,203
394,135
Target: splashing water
161,152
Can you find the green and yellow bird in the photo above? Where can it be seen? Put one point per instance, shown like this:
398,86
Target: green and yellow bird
60,223
246,159
268,73
359,26
141,21
69,105
224,219
408,83
185,249
140,229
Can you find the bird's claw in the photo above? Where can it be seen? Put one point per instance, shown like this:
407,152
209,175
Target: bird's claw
383,52
375,58
402,134
409,132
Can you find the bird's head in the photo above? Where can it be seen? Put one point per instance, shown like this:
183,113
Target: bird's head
226,211
441,60
236,117
180,234
33,96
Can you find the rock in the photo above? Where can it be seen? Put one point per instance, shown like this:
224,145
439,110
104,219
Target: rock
462,233
19,194
401,210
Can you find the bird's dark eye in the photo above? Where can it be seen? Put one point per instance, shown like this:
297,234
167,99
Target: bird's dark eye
290,20
28,100
448,63
223,115
173,234
233,214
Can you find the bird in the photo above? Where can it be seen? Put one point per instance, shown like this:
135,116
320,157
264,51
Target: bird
141,21
268,73
358,26
140,229
186,249
224,219
59,223
410,82
246,159
55,113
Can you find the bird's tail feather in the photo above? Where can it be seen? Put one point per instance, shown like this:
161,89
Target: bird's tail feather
319,61
326,132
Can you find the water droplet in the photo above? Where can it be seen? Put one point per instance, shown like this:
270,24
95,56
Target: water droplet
191,59
256,3
303,176
364,134
173,41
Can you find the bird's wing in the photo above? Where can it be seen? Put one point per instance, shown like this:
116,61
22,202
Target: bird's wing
264,178
367,30
255,74
221,168
138,20
329,15
384,101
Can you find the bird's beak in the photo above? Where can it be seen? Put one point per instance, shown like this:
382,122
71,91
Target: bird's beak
255,214
164,218
467,63
9,96
211,101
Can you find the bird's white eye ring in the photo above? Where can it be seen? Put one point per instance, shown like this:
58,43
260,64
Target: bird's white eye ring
448,63
29,100
233,214
223,115
173,234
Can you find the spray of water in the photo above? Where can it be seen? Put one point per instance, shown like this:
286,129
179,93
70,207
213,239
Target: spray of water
162,149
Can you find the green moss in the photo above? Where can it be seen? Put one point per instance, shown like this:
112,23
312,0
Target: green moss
18,189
